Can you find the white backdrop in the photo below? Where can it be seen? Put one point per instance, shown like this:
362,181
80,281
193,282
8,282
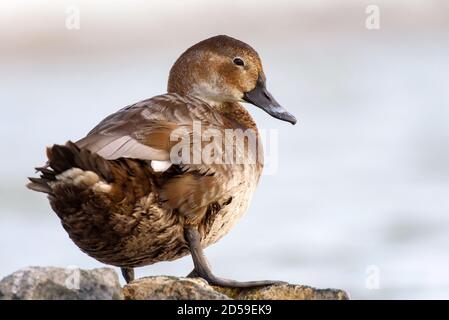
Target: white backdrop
362,189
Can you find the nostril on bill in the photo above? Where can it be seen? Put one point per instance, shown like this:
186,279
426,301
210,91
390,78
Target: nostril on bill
267,95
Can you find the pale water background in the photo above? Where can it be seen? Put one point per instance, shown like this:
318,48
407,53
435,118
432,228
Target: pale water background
362,188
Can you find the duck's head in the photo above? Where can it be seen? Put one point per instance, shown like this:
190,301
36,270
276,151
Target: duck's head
222,69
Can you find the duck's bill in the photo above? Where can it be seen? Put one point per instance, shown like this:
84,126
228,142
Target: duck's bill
260,97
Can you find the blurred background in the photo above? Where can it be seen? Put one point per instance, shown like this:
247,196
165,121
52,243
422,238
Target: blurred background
360,200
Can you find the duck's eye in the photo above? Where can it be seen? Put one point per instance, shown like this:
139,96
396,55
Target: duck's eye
239,62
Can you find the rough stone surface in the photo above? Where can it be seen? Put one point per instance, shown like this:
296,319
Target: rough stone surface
164,287
171,288
50,283
284,292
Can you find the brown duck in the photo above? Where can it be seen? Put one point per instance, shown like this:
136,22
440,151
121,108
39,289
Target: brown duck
126,199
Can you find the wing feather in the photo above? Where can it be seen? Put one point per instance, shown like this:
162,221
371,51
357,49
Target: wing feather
143,130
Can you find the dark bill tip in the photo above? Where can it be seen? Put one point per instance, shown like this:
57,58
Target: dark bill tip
284,116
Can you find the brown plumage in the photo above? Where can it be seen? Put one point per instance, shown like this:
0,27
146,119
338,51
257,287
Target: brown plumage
119,194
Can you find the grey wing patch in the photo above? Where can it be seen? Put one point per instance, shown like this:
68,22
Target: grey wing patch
112,148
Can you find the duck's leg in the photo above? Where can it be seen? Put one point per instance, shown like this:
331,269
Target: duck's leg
202,268
193,274
128,274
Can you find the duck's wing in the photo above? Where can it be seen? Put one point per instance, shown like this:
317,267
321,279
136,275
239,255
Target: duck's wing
148,129
145,130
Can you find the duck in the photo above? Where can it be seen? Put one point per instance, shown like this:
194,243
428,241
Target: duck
134,192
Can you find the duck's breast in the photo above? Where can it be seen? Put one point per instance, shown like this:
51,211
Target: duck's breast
235,204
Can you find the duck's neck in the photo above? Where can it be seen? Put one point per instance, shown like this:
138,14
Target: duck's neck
232,110
236,112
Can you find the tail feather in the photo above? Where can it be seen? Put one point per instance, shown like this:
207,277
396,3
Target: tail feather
45,172
60,158
39,185
64,157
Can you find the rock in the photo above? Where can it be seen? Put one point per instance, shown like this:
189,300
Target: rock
50,283
171,288
284,292
165,287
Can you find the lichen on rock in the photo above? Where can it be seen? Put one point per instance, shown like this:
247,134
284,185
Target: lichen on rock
171,288
283,292
165,287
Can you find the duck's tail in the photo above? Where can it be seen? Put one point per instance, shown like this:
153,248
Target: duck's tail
69,162
99,201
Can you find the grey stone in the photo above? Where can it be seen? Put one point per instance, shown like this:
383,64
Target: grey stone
51,283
